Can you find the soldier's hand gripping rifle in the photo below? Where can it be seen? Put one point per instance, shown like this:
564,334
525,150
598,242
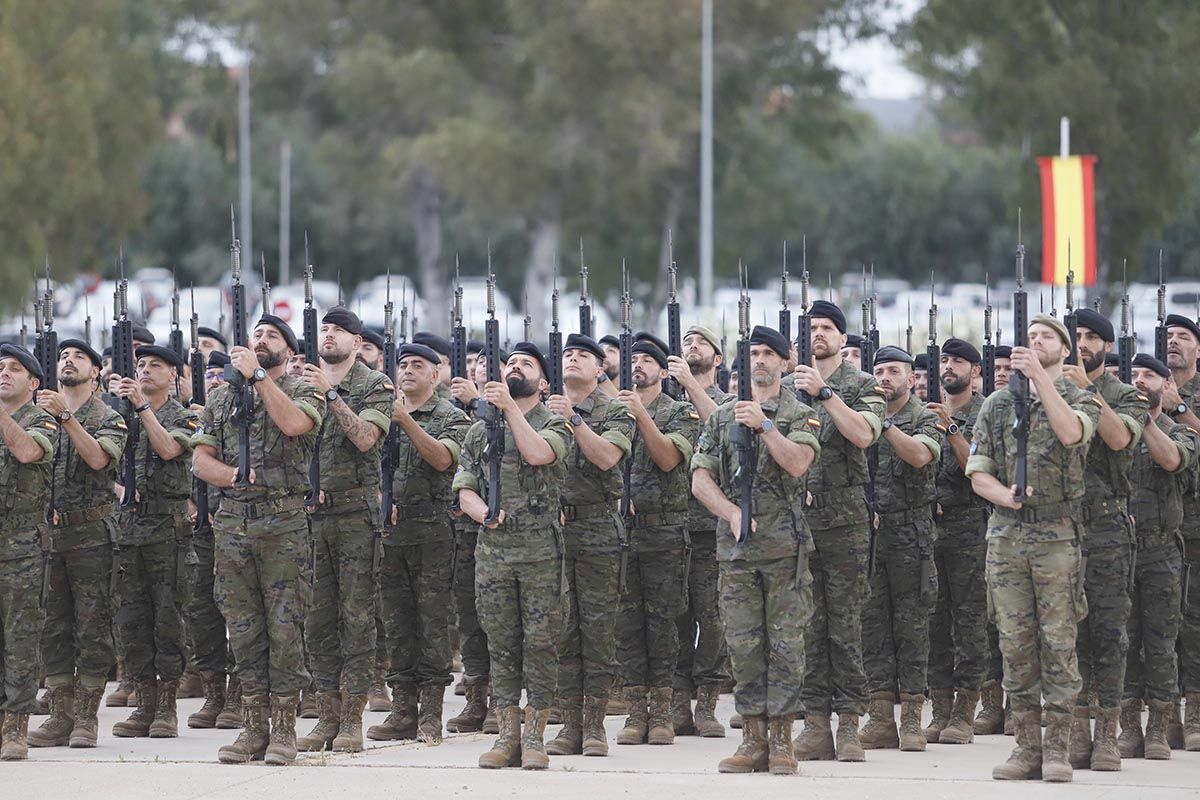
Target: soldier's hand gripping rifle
674,328
625,344
196,361
1018,383
1127,342
45,349
585,305
493,418
124,365
803,325
989,349
311,356
554,364
933,385
390,459
243,392
1160,330
743,436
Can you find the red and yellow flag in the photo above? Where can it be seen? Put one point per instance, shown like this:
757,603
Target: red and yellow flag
1068,218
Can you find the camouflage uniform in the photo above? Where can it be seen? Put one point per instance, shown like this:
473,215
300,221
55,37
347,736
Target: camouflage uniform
205,625
1189,629
263,544
766,588
1034,569
518,566
472,638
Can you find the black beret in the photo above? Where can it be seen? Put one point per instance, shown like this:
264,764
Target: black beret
81,345
960,348
577,341
1095,322
854,340
530,349
217,358
420,350
1146,361
26,358
1003,351
212,333
142,334
826,309
892,353
920,361
649,348
773,339
300,345
1186,322
106,352
434,342
158,351
609,341
286,330
1112,360
373,337
344,318
474,346
647,336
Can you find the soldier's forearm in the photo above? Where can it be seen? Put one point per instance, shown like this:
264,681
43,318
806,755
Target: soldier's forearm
472,504
792,457
209,469
850,423
86,445
23,446
706,490
161,440
1113,430
287,416
1161,448
534,449
596,449
663,452
910,451
360,432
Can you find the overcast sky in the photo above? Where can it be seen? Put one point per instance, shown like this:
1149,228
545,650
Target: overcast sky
874,67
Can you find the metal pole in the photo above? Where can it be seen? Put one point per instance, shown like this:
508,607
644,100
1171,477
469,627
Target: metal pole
1064,137
285,212
245,200
706,155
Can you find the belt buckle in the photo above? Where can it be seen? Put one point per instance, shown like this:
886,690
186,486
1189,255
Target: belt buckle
570,513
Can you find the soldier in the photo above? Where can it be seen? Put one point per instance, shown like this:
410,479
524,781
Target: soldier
852,352
418,554
1034,573
1003,365
600,441
441,346
154,538
766,589
210,340
296,361
1112,364
518,570
656,584
1102,641
1163,466
26,456
958,643
612,364
921,376
370,352
850,406
339,629
214,370
77,644
262,536
701,666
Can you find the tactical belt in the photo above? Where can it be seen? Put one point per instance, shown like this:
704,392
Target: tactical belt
341,498
1043,513
67,519
587,511
905,516
1110,507
419,510
961,512
656,520
834,497
512,523
261,508
162,506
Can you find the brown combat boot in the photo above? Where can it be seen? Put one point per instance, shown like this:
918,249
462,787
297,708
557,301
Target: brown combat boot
473,713
281,749
214,701
637,723
569,741
595,738
231,716
1081,738
14,735
556,716
707,724
506,750
1105,755
912,740
1175,727
191,684
681,712
402,722
617,706
533,745
349,738
138,724
329,719
166,718
943,702
1191,722
1025,761
377,693
753,753
1056,744
781,757
990,720
86,707
55,731
1157,747
961,729
251,743
659,729
1131,743
119,697
815,742
429,718
491,720
735,720
307,707
849,747
880,731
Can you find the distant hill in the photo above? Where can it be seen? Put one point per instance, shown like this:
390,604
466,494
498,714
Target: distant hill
895,116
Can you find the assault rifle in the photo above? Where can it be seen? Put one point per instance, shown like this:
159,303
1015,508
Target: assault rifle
458,331
554,362
243,393
175,337
45,349
674,328
625,344
311,356
867,351
989,349
391,445
785,313
123,364
585,305
493,418
1018,383
1160,331
1127,343
1071,319
723,370
933,385
803,324
196,361
742,435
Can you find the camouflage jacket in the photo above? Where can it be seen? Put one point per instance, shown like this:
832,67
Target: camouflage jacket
777,496
1190,394
660,499
25,488
905,494
699,518
422,494
163,487
590,494
370,395
1107,476
77,487
1157,499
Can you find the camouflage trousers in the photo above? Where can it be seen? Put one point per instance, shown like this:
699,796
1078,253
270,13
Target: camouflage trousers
647,632
1102,641
414,594
205,625
152,587
766,606
21,616
958,637
1189,629
702,652
834,679
1152,672
77,634
472,638
895,620
587,646
339,628
1036,598
520,607
263,590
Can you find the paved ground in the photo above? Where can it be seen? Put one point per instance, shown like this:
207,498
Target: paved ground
186,768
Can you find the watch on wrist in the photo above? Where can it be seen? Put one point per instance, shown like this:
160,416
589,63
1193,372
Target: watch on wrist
766,427
332,394
576,420
953,429
825,393
887,425
143,407
1179,409
260,374
65,415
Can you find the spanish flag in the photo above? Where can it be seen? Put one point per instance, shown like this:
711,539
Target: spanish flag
1068,218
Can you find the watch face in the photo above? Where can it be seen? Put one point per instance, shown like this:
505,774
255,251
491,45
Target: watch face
260,374
331,395
1182,407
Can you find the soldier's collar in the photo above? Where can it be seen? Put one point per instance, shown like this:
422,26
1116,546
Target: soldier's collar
588,403
430,404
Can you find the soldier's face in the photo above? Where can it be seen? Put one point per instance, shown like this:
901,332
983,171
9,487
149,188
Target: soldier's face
827,340
612,361
1003,370
416,376
1182,347
16,383
75,367
337,343
154,374
523,375
646,371
766,367
580,365
471,359
444,371
921,383
270,346
369,354
1045,341
1149,383
853,355
214,377
700,356
480,372
295,365
1092,348
206,344
895,378
957,374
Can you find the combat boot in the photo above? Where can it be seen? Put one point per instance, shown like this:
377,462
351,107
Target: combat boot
815,742
56,730
1025,761
595,738
753,754
1131,743
473,713
1010,726
329,719
307,708
251,743
119,697
849,747
14,734
281,749
1056,744
556,716
681,713
1105,755
569,741
377,693
990,720
942,701
1175,726
880,731
912,740
506,750
533,745
1081,738
658,725
231,716
402,722
781,757
961,729
491,720
617,707
214,701
191,684
637,723
1191,722
41,706
735,720
349,737
138,724
429,718
166,717
1157,747
87,704
707,724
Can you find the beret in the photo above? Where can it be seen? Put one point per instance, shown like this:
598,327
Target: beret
211,333
217,359
854,340
960,348
920,361
646,336
26,358
419,350
1003,351
892,353
1052,322
80,344
649,348
281,326
1112,360
708,334
609,341
1095,322
142,334
434,342
158,351
344,318
826,309
1147,361
374,337
773,339
530,349
1173,320
474,346
577,341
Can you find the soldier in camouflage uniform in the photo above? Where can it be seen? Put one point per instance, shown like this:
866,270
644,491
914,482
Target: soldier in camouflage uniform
441,346
370,352
154,537
519,559
77,643
600,441
904,581
701,666
1162,468
262,536
766,589
1034,569
1108,544
415,579
656,582
27,434
850,406
339,628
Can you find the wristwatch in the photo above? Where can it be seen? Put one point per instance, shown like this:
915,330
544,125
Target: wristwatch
953,429
65,415
887,424
332,394
143,407
260,374
766,427
825,393
1179,409
576,419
